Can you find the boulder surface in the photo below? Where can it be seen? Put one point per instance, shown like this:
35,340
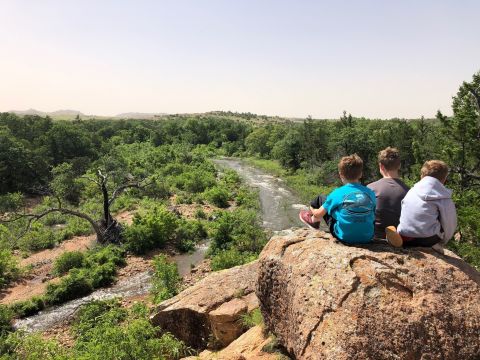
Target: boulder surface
211,307
326,300
248,346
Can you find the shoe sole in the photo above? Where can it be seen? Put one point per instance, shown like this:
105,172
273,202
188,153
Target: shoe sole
393,237
303,221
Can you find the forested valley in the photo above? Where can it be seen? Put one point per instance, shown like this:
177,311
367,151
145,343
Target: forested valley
67,179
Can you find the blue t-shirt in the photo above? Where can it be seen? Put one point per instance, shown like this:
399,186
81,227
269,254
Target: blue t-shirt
353,207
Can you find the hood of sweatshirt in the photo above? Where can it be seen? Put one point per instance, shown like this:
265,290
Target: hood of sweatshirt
430,189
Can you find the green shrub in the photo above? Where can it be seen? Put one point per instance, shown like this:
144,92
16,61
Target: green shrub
28,307
107,312
106,254
150,231
229,258
102,275
38,238
251,319
68,260
104,330
200,214
6,315
188,234
247,198
72,286
239,229
24,346
8,268
165,280
10,201
218,196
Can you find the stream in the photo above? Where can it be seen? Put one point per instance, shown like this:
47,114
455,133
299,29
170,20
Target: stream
279,208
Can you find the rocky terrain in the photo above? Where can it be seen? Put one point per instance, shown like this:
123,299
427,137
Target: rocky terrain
324,300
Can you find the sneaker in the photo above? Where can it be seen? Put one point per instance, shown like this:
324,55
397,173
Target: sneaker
439,248
393,237
306,217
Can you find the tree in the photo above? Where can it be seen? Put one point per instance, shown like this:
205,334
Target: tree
463,132
107,229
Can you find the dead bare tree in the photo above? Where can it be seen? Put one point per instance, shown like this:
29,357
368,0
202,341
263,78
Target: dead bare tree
107,229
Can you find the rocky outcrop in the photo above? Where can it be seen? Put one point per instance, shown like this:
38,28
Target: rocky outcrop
212,307
249,346
325,300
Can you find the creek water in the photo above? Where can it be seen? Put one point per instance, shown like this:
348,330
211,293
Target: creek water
279,209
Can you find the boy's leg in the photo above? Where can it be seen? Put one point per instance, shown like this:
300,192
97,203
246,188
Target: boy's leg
306,215
393,237
423,242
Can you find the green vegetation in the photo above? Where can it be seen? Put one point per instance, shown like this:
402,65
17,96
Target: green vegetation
67,261
251,319
89,170
165,279
97,268
102,330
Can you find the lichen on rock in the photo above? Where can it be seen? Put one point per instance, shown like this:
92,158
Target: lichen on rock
326,300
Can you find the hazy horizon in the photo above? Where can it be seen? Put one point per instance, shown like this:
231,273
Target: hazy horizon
377,59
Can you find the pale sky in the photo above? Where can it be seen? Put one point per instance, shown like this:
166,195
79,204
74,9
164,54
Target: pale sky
373,58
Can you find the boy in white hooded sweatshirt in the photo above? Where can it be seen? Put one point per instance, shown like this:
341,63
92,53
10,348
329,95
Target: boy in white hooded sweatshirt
428,216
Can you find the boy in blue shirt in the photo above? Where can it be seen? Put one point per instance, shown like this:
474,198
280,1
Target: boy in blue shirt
349,210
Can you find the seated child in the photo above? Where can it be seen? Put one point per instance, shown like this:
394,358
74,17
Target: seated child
389,190
349,210
428,216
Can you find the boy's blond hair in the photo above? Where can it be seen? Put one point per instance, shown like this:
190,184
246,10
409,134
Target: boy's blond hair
389,158
435,168
351,167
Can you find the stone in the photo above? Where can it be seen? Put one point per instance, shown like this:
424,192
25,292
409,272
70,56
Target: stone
248,346
213,306
326,300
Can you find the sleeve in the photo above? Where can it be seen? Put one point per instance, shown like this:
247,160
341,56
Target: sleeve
331,202
448,219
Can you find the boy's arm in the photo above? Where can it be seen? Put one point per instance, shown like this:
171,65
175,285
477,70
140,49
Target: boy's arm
318,214
448,219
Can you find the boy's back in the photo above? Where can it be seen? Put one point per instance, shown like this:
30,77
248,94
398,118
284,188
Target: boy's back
428,210
389,193
353,208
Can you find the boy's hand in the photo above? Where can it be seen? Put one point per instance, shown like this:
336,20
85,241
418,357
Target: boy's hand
318,214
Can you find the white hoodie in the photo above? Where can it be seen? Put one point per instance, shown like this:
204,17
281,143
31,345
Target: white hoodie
428,210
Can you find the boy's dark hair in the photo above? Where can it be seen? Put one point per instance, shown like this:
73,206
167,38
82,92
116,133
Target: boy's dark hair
351,167
435,168
389,158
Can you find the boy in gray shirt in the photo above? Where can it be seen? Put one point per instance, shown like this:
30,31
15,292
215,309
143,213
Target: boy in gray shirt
389,191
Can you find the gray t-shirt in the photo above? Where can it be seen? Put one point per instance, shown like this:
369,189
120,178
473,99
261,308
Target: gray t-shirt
390,193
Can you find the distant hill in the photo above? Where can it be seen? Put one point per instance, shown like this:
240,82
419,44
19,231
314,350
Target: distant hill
59,114
71,114
139,115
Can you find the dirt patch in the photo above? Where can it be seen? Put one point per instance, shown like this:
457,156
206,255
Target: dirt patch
78,243
125,217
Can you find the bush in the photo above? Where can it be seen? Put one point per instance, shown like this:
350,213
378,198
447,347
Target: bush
38,238
68,260
251,319
6,315
218,196
8,267
188,234
106,254
229,258
104,330
165,280
23,346
150,231
102,275
72,286
28,307
239,229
